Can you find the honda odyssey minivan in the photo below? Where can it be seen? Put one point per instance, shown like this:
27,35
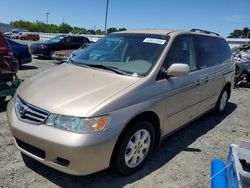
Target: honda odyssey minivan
112,103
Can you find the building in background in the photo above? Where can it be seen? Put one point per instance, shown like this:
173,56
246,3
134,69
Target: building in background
6,27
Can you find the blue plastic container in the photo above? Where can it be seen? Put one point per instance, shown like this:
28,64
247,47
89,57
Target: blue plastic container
218,174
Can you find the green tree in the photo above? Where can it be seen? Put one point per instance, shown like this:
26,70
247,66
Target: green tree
99,32
237,33
40,26
111,30
64,28
122,29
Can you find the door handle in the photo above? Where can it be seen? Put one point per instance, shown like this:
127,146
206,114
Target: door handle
206,79
198,82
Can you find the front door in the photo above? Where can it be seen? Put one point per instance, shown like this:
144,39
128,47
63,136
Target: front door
182,93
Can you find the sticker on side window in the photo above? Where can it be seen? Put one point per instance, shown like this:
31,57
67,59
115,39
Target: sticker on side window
154,41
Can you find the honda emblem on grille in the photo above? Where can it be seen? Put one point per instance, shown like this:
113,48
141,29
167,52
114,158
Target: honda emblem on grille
22,110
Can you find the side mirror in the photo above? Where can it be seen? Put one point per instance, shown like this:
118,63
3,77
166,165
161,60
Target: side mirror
178,70
162,74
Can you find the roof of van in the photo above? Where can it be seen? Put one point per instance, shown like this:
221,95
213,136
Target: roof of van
163,32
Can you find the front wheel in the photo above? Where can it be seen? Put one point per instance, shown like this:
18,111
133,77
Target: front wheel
134,148
222,101
51,55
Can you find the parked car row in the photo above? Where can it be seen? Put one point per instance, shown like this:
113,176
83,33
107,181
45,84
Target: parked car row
61,42
13,34
22,35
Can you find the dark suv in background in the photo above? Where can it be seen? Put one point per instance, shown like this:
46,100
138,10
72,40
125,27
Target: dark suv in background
61,42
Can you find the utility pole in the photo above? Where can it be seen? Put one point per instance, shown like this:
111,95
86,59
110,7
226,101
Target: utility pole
106,17
47,17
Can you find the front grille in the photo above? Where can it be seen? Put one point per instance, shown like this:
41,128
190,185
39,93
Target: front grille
29,113
31,149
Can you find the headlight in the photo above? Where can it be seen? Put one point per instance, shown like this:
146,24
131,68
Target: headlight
77,124
42,47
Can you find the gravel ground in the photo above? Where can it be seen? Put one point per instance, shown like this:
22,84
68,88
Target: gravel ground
182,160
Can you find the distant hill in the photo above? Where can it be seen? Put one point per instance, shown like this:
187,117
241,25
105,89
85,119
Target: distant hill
5,27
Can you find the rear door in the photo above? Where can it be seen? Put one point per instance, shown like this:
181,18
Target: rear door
182,95
78,42
212,67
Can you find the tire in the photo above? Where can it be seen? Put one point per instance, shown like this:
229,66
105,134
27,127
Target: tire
2,99
222,101
238,71
248,79
19,63
50,54
139,148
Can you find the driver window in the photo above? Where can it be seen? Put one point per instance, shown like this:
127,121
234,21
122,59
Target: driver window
182,51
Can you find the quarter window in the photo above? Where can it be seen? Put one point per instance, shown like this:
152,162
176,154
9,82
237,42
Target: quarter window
67,40
225,52
182,51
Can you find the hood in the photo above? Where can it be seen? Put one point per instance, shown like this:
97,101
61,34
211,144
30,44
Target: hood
36,44
72,90
39,43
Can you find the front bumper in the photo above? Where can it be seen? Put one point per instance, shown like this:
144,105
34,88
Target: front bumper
59,59
26,60
72,153
38,51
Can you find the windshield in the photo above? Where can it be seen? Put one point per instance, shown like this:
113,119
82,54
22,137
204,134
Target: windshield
55,39
133,54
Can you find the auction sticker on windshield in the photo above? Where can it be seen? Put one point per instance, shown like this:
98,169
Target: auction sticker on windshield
154,41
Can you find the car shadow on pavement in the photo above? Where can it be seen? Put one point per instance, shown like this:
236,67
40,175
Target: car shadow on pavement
169,148
3,106
27,67
41,58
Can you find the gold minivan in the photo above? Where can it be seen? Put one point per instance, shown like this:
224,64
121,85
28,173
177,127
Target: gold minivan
110,104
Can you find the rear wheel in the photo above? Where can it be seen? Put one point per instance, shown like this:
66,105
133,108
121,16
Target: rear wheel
19,63
222,101
134,148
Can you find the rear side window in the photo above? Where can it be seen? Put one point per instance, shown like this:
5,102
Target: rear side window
85,40
77,40
207,52
67,40
225,51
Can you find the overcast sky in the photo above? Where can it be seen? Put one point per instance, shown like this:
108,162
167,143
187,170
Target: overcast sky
222,16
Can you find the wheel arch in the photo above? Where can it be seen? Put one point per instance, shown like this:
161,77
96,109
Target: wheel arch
228,87
150,116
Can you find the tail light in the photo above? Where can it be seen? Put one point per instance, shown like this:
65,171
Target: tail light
9,64
5,47
6,51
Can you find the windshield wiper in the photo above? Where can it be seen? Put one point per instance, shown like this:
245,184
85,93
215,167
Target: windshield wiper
106,67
